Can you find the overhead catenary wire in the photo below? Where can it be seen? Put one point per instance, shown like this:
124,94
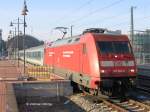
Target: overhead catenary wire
138,19
105,19
92,12
83,6
96,11
88,2
115,16
127,21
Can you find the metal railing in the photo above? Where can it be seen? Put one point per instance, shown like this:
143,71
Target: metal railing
40,72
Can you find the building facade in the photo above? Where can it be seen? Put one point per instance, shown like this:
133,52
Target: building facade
1,43
141,46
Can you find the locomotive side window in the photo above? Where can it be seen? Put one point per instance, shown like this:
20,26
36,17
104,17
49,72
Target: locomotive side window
116,47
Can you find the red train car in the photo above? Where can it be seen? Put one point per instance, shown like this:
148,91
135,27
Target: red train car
97,60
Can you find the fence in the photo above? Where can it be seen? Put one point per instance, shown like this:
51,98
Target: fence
40,72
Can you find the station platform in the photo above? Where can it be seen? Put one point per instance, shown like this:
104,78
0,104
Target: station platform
15,92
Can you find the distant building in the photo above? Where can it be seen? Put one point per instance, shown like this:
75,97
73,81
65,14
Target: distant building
141,46
30,41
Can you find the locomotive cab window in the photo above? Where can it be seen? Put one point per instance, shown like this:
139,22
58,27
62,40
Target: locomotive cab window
117,47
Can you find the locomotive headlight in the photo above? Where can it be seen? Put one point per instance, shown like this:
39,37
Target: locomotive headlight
102,71
132,70
116,56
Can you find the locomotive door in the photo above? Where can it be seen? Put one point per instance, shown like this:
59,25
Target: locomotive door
83,59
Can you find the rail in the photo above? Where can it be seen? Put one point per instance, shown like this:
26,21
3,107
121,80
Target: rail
132,106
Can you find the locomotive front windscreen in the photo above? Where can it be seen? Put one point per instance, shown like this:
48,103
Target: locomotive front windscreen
117,47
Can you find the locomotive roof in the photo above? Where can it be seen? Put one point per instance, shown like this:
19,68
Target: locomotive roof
68,40
37,47
41,47
75,39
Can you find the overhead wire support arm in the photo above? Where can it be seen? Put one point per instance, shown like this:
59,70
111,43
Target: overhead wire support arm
63,30
75,10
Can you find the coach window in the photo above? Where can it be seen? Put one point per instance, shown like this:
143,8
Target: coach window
77,39
27,55
31,54
36,54
39,54
69,40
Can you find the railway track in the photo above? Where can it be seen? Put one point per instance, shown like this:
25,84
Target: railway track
132,106
107,106
98,104
127,106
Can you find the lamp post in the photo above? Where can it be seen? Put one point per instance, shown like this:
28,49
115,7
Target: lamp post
24,13
10,42
8,46
18,26
132,25
13,34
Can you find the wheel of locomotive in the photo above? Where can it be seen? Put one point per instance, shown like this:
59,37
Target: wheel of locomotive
75,87
115,90
93,91
79,87
83,89
119,90
105,91
110,92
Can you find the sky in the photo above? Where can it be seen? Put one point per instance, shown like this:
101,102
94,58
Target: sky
45,15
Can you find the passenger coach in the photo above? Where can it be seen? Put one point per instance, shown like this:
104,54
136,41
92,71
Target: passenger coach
34,55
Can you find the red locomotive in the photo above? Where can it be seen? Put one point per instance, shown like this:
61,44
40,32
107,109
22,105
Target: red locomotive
97,60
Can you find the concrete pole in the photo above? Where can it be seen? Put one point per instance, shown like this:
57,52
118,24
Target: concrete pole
15,47
24,53
18,43
71,29
132,26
